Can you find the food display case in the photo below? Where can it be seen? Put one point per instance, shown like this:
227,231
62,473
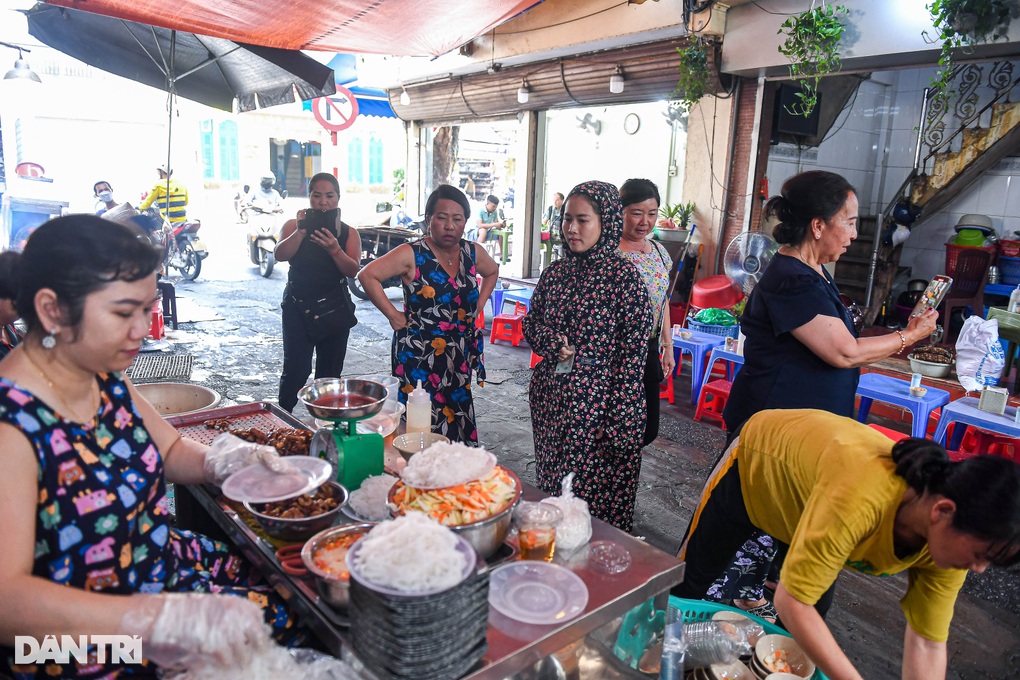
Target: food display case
515,649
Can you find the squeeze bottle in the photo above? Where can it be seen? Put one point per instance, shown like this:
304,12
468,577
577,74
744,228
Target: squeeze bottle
1014,300
419,410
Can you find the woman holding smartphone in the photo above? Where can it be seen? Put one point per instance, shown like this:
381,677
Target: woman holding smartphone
802,348
317,310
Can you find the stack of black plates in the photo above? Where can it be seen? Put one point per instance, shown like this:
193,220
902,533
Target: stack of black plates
430,637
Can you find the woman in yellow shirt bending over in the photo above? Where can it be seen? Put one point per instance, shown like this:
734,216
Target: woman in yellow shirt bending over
836,493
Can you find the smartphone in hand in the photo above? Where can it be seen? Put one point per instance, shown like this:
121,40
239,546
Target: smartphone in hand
320,219
933,295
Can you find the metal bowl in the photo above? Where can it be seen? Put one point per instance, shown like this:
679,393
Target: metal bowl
415,442
336,387
335,591
298,529
929,368
486,535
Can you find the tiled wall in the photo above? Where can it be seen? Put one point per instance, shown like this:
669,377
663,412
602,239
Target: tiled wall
874,149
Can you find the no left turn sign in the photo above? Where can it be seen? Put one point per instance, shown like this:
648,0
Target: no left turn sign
338,112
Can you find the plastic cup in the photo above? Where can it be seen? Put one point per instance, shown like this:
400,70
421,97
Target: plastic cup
536,530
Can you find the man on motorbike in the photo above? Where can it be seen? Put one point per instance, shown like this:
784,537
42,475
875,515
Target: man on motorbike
173,204
104,194
267,197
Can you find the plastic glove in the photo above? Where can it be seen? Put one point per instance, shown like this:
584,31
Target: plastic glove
196,629
227,454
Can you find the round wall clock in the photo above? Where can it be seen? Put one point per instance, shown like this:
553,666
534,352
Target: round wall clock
631,123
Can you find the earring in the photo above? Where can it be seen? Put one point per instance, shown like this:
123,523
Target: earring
50,341
817,236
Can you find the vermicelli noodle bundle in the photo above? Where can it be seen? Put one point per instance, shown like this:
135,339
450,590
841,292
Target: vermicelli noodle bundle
411,554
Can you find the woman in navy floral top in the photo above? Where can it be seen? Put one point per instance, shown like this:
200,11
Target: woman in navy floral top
88,548
590,309
435,337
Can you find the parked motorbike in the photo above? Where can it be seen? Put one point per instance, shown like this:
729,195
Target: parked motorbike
264,222
396,228
182,249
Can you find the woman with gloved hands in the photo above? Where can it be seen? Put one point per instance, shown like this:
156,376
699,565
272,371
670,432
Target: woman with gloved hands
88,548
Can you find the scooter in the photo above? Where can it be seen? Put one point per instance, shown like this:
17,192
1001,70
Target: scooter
182,249
264,226
395,229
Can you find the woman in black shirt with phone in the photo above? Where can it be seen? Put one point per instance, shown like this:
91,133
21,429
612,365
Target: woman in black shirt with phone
318,312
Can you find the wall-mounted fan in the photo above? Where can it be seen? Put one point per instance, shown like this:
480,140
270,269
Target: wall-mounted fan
746,258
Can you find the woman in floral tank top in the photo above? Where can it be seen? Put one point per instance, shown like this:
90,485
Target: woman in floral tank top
88,549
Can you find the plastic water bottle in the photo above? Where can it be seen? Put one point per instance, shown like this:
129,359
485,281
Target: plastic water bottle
1014,301
419,410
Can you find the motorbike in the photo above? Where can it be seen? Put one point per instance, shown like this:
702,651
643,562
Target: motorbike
264,225
182,249
396,228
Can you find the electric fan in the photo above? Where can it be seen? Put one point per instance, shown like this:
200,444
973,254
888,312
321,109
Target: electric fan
746,258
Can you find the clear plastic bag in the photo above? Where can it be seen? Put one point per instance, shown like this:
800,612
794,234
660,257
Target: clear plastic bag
575,529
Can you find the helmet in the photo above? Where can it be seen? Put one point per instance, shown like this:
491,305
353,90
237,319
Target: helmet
267,180
163,169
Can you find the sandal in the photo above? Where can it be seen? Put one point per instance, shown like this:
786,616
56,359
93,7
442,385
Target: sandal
765,611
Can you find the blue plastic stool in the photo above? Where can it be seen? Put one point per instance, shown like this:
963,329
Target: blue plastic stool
895,391
733,363
698,346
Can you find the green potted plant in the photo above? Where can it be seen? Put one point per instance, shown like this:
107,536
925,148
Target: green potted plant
675,221
695,77
960,24
812,46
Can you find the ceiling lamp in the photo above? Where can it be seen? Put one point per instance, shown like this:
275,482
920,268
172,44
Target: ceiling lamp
405,99
21,71
616,81
523,93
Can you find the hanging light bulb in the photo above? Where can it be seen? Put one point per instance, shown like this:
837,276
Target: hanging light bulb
523,93
616,81
405,99
21,71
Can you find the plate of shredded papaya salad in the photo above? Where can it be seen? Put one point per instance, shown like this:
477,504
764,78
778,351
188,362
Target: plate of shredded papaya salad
459,504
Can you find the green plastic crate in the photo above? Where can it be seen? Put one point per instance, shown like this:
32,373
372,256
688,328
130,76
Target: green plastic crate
702,610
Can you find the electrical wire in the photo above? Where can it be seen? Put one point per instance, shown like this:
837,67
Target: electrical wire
778,14
563,23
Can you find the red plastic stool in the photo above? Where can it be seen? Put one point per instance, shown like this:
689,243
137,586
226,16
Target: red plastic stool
520,308
977,441
666,391
719,390
480,320
156,327
535,360
507,327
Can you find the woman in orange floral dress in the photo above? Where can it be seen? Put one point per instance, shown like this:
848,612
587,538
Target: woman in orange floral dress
435,339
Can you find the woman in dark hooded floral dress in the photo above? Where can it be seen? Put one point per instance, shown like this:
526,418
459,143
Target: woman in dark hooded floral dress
590,320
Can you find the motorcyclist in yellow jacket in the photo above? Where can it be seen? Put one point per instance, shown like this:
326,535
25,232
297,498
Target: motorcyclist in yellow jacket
176,211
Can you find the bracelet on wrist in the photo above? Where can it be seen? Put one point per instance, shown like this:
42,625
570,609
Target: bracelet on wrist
903,340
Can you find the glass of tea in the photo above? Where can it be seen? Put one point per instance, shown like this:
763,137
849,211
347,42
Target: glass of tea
536,530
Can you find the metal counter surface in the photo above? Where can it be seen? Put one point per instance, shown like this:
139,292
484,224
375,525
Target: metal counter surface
513,646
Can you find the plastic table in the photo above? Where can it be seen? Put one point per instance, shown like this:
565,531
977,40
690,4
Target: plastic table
699,346
966,411
522,295
896,391
497,297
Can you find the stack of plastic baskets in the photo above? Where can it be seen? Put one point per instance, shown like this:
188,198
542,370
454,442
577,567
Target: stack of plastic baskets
714,329
1009,270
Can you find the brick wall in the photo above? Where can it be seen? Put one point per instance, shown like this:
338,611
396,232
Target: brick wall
750,158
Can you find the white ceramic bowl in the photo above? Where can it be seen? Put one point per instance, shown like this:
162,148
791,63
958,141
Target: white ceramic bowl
730,671
929,368
800,665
